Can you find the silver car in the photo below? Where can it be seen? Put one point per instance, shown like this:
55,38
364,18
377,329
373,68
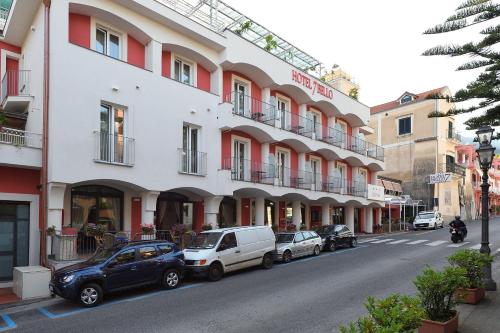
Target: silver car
291,245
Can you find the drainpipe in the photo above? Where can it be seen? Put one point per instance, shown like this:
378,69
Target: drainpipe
45,134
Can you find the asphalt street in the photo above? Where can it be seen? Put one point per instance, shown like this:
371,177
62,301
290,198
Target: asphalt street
314,294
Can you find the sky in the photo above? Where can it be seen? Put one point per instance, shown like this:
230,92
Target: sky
378,42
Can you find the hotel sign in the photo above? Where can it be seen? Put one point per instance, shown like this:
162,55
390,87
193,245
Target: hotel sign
443,177
375,192
313,85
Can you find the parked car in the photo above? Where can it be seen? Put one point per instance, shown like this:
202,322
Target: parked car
336,235
119,267
428,220
291,245
215,252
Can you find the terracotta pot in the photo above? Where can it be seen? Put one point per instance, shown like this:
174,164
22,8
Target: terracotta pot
429,326
469,296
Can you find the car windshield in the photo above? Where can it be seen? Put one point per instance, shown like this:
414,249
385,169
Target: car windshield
426,216
324,229
205,240
102,255
284,238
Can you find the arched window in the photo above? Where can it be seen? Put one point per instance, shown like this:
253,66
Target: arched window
97,204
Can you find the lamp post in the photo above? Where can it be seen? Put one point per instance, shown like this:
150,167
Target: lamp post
485,154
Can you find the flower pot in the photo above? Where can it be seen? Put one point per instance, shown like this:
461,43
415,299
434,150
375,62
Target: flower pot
429,326
469,296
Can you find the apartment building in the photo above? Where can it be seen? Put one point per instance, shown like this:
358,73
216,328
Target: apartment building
170,112
416,146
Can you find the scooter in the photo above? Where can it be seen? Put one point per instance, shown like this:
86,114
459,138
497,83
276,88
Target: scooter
457,235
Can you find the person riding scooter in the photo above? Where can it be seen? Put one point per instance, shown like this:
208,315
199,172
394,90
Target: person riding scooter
460,225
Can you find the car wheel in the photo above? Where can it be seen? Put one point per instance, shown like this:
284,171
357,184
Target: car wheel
331,246
215,272
287,256
170,279
354,242
267,261
90,295
316,250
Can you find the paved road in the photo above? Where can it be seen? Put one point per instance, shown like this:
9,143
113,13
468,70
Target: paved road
315,294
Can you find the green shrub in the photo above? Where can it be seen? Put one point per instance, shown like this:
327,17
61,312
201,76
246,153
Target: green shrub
394,314
436,288
473,262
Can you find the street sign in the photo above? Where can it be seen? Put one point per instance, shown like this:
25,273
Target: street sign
442,177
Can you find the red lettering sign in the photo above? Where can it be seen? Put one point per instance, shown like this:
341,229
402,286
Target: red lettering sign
312,85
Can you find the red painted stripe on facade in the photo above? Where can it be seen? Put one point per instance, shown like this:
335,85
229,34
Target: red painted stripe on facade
136,53
79,29
203,78
166,58
135,216
17,180
256,146
245,212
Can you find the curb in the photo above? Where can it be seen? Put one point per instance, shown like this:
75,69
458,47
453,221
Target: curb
22,305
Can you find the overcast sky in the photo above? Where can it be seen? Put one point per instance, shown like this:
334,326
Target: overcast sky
378,42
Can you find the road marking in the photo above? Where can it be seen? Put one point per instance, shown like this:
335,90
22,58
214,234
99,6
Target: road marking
51,315
9,323
458,244
399,241
366,240
475,247
436,243
418,241
382,240
299,260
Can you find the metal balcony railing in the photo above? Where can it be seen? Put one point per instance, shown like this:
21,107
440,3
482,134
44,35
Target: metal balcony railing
114,148
20,138
271,174
453,168
192,162
453,135
251,108
16,83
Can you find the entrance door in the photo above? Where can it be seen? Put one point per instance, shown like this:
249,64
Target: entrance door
283,172
241,106
14,237
240,163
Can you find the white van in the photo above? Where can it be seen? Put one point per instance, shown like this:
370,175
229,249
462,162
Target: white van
219,251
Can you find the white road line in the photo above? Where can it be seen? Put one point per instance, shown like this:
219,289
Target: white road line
382,240
399,241
475,247
418,241
436,243
366,240
458,244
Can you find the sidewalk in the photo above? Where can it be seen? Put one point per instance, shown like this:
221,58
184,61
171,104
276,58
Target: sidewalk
485,316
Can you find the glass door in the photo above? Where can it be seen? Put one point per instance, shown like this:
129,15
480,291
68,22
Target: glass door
282,113
190,163
112,134
240,167
316,178
14,237
282,163
240,99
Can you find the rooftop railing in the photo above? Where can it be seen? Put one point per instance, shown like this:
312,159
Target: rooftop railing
251,108
20,138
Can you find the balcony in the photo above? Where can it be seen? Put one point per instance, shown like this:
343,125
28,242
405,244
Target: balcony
453,135
270,174
192,162
453,168
20,138
262,112
16,91
20,148
113,149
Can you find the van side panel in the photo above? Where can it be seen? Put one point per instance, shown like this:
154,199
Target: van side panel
254,243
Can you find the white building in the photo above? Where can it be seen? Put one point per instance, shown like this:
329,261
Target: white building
167,112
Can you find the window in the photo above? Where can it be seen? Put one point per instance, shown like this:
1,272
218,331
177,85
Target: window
404,126
164,249
307,235
283,113
228,241
147,252
406,99
450,130
125,257
107,43
190,155
112,135
299,237
241,98
183,72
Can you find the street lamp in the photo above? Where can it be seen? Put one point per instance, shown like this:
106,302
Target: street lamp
485,154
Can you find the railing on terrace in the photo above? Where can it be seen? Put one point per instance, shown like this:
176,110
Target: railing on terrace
453,135
113,148
251,108
271,174
192,162
4,15
16,83
453,168
20,138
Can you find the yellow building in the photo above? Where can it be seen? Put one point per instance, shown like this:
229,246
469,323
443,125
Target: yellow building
342,81
417,146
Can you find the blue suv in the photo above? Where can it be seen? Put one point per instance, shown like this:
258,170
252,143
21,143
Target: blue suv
120,267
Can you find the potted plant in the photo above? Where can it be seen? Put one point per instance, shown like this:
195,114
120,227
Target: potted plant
396,313
51,231
473,262
436,289
148,231
206,227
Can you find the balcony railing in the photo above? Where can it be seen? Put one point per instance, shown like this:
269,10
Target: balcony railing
16,83
20,138
251,108
271,174
453,168
114,148
192,162
453,135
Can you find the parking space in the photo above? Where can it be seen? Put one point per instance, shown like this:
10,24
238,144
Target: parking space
6,323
